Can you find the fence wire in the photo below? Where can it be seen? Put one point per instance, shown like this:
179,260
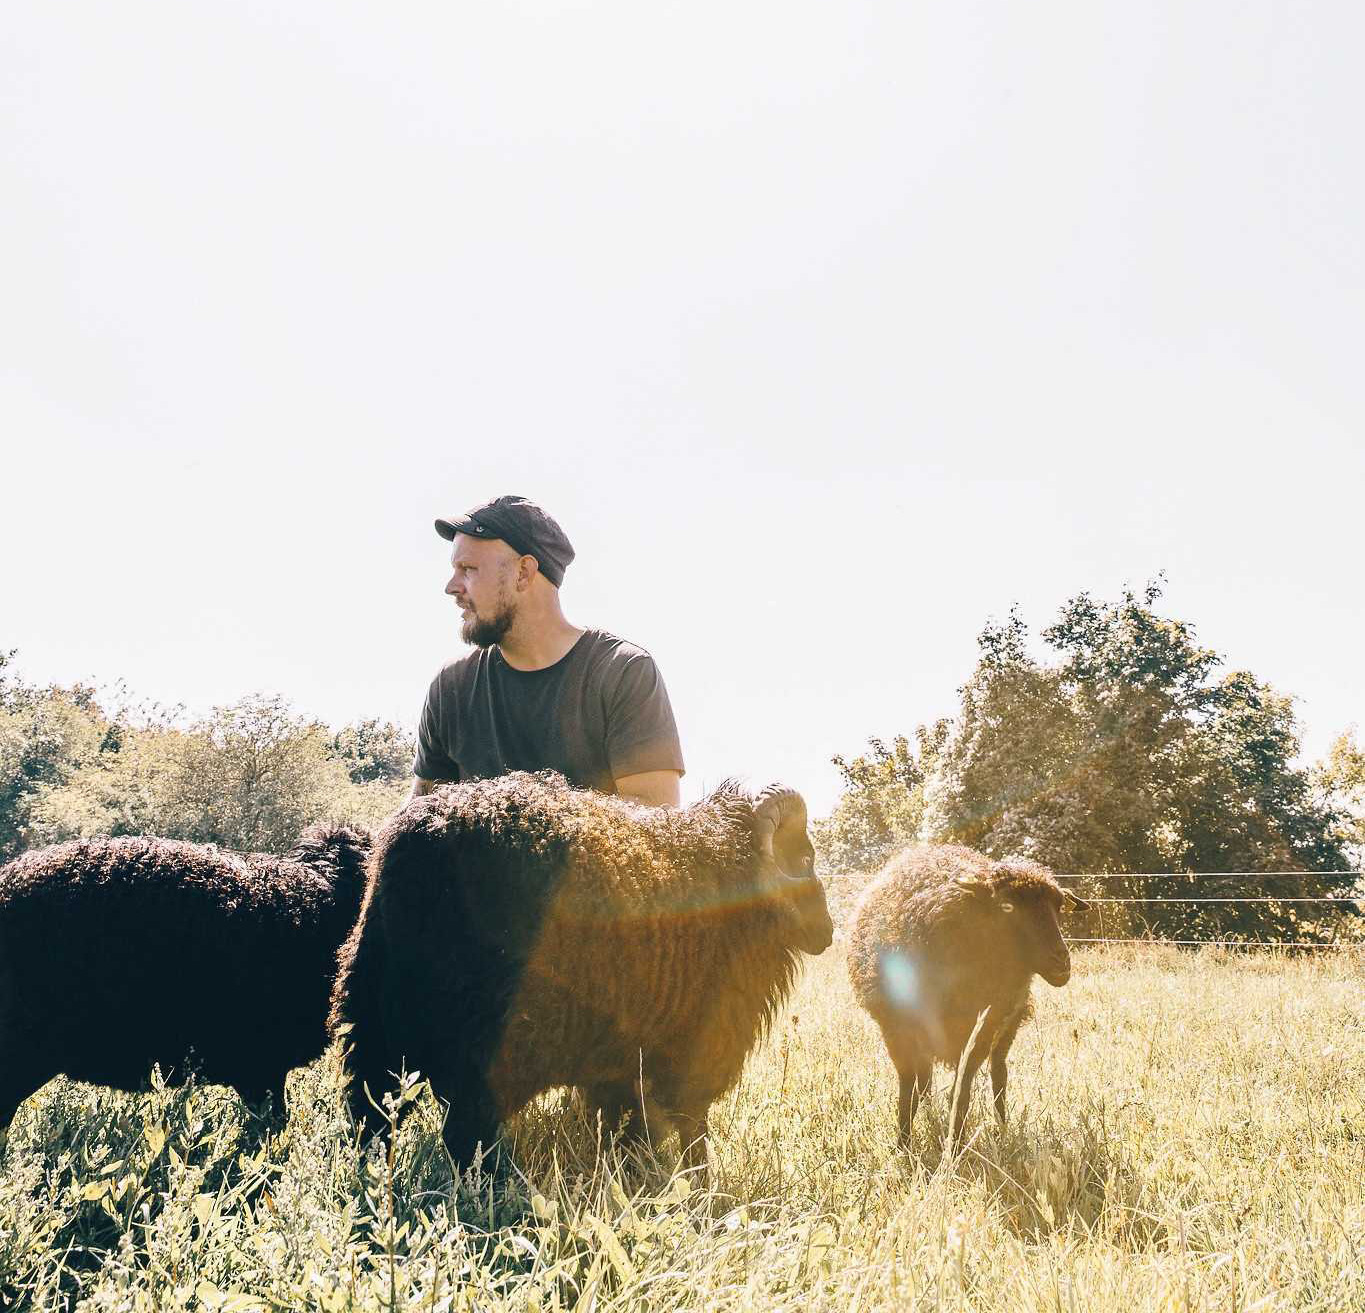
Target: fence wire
1343,900
1348,900
1209,875
1226,943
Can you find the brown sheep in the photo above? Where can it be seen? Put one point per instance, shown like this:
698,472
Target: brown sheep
942,935
519,935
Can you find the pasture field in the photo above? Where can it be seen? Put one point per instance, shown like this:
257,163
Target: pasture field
1188,1132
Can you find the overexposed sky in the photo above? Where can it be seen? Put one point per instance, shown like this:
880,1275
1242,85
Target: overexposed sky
825,331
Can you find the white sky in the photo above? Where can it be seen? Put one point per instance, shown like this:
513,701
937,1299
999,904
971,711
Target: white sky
826,331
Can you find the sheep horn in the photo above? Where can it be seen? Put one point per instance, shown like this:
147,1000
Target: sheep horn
775,808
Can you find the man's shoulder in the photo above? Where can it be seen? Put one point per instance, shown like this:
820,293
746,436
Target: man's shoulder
606,647
460,670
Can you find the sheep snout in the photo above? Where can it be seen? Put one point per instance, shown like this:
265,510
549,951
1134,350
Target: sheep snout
815,925
1057,971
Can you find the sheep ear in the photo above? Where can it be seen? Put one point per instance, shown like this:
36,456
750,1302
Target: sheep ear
973,884
1074,901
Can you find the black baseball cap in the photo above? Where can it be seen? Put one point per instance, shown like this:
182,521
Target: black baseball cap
523,526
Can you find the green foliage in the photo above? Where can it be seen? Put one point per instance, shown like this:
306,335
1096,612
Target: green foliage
1124,753
882,806
1341,777
249,776
375,751
128,788
46,736
253,776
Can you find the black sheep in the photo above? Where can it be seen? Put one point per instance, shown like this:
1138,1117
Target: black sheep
119,953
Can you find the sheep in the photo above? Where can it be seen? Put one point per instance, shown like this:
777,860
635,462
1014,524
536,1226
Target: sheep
940,936
119,953
518,934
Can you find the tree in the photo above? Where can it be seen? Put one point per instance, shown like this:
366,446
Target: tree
1124,754
129,787
1341,777
75,763
251,776
46,736
375,750
882,806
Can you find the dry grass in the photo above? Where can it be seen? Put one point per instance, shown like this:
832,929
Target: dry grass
1188,1132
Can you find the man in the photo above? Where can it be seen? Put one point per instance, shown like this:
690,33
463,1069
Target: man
538,692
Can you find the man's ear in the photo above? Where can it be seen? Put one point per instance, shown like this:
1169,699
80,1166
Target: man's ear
527,569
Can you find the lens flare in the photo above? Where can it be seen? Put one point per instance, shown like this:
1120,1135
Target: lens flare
900,979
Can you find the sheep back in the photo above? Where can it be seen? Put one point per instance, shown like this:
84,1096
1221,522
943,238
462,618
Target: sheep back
119,953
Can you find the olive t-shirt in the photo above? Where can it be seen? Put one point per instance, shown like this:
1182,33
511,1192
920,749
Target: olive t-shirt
599,713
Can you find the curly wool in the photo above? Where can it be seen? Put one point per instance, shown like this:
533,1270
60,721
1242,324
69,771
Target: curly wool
917,907
116,954
518,935
942,936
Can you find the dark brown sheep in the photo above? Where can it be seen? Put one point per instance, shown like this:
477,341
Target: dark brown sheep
519,935
942,935
119,953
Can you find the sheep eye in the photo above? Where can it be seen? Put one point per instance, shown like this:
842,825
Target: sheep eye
1007,907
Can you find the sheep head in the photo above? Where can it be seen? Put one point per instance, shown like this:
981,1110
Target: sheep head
788,858
1017,909
339,854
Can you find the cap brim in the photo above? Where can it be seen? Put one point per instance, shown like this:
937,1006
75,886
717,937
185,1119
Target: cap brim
449,528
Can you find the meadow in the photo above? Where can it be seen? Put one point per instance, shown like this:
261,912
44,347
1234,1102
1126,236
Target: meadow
1187,1132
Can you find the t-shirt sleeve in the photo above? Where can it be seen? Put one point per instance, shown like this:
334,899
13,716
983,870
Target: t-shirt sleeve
433,760
641,733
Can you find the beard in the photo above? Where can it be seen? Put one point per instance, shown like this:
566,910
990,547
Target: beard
487,631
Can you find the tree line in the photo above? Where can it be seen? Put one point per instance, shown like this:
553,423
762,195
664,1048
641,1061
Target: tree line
75,762
1120,745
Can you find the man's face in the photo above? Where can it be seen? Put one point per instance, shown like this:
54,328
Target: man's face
483,584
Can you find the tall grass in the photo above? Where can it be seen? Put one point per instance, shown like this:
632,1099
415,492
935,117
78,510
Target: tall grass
1187,1132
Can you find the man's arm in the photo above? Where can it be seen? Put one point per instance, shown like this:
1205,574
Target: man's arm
432,764
643,751
657,788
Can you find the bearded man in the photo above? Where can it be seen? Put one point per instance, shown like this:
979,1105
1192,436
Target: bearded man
538,692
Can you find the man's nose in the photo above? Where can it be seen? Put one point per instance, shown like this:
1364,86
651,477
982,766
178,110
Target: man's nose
452,588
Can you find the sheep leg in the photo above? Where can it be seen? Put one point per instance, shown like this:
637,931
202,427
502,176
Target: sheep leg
685,1102
612,1101
999,1071
915,1084
472,1113
999,1077
14,1089
694,1130
624,1111
962,1092
915,1069
368,1080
